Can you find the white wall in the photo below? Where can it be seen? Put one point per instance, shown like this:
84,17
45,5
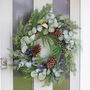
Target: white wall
6,42
85,37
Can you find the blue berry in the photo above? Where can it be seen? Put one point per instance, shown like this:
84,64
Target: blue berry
41,67
36,67
62,51
63,41
62,68
69,29
61,64
30,49
27,52
40,71
44,66
61,58
62,21
30,54
72,48
68,24
27,44
68,43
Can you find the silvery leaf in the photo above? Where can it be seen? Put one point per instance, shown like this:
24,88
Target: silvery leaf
68,47
45,32
32,37
37,70
44,71
51,29
60,38
21,64
24,48
48,71
65,32
45,25
34,74
51,21
71,42
39,28
28,64
34,30
55,24
70,33
33,58
52,16
30,33
57,74
41,76
26,39
54,70
67,37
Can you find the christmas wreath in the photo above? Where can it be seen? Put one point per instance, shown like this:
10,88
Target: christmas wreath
45,46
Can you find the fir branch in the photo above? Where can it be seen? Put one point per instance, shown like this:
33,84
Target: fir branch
34,18
46,9
18,35
36,15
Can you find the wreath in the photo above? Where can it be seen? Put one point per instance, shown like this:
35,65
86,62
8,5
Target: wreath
45,46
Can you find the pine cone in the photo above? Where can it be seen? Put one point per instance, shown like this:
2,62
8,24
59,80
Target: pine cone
57,32
51,62
35,50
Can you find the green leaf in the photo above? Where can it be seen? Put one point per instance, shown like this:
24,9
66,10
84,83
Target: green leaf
18,35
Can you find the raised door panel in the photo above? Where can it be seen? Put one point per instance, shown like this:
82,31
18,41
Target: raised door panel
21,11
62,7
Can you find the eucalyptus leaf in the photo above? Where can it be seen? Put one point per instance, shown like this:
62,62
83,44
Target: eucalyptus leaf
41,76
34,74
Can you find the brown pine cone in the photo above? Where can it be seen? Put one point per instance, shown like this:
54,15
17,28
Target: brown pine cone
35,50
51,62
57,33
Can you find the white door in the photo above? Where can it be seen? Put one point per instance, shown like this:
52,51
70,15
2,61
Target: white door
9,12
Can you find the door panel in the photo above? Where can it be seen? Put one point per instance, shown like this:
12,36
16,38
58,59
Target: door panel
20,83
62,7
21,11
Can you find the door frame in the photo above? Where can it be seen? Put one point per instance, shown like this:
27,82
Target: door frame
75,15
6,74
